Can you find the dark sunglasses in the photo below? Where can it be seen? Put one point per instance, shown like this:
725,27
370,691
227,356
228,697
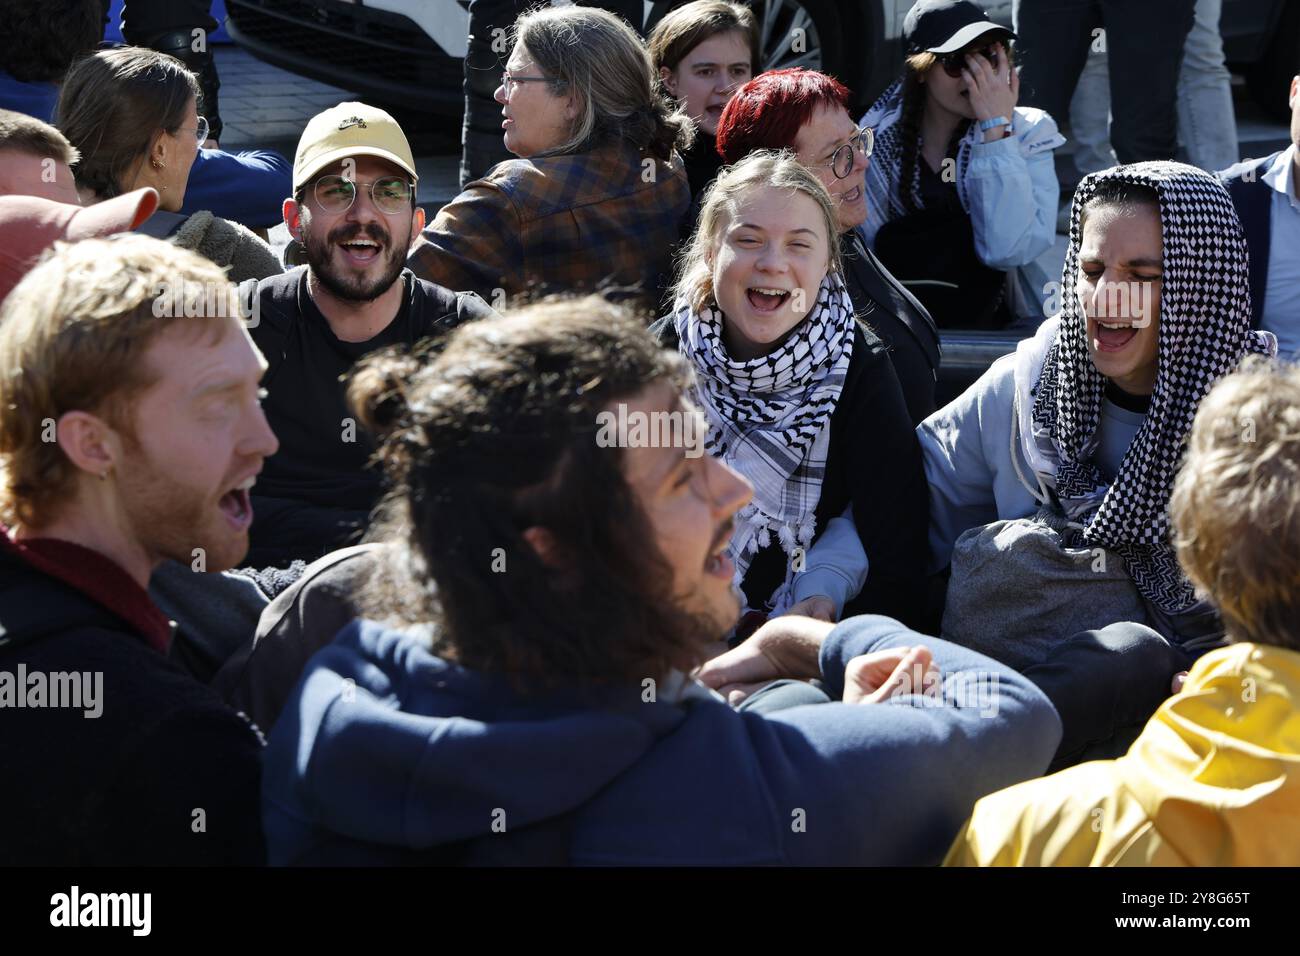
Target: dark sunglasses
954,63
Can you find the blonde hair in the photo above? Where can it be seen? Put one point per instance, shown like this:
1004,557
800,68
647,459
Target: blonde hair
760,169
1236,503
600,60
73,334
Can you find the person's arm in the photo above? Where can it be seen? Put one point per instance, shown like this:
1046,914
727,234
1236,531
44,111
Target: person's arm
835,566
473,245
891,783
957,469
1014,193
246,187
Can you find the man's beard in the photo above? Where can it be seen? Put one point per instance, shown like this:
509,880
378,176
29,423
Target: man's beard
320,258
177,521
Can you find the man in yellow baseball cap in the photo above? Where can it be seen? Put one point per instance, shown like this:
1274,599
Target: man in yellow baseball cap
347,131
353,211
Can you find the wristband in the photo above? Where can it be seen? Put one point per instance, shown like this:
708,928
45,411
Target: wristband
988,124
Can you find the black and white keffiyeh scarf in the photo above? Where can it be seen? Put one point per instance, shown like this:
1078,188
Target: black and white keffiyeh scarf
769,418
1204,331
885,169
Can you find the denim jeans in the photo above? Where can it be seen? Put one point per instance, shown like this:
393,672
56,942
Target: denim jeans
1207,125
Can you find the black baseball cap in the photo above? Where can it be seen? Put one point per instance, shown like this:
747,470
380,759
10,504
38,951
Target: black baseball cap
945,26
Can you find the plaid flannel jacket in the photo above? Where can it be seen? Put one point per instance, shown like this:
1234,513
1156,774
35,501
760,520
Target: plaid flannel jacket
560,223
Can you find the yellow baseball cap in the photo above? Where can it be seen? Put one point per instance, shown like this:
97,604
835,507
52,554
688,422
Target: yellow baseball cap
350,129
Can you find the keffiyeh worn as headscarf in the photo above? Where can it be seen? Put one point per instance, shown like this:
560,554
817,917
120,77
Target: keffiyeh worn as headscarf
1204,331
769,418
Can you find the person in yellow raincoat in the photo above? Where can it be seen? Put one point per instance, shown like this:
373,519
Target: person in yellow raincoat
1214,777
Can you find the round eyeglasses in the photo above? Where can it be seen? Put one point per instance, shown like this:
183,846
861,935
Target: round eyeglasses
844,160
391,194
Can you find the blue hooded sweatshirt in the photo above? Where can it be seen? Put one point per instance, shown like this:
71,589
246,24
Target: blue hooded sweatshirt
386,754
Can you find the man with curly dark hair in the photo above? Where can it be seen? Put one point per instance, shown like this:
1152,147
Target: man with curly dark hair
34,53
557,559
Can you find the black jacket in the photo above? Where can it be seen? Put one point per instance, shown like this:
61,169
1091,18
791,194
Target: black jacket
317,491
165,775
899,321
874,461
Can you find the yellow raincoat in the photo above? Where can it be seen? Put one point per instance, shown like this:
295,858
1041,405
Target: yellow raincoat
1213,780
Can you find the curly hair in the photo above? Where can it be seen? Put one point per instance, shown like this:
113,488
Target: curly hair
40,41
493,433
1236,503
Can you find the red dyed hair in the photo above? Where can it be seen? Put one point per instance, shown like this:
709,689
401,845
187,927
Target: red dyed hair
768,111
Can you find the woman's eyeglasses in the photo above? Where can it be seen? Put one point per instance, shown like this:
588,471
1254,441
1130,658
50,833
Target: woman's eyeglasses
845,158
954,63
200,132
511,83
391,195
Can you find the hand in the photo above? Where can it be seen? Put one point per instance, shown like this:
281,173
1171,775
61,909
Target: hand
786,646
818,606
1179,680
992,92
872,678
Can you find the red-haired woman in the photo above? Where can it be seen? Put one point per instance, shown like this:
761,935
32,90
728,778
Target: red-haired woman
807,112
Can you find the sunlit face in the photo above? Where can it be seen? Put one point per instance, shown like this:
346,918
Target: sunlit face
689,501
1119,283
768,264
815,145
534,119
357,254
26,174
181,149
707,76
200,438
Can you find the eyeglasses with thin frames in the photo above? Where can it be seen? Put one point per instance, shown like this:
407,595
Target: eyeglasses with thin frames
390,194
511,82
200,132
844,160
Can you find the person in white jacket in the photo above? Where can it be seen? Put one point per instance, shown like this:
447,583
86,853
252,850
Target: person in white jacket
963,181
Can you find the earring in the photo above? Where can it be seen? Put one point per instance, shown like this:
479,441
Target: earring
156,165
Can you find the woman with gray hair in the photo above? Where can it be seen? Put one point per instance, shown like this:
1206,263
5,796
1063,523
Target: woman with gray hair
598,194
